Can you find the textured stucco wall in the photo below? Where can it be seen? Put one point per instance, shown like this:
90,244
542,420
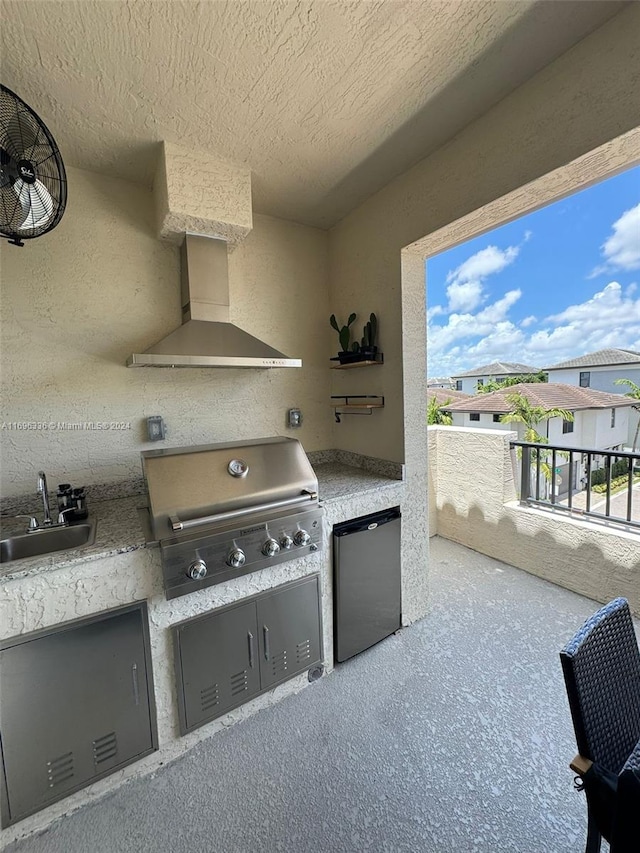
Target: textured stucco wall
583,100
579,102
214,198
324,101
432,474
78,301
476,506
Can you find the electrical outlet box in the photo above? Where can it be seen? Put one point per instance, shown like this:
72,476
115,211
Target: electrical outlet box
294,418
156,429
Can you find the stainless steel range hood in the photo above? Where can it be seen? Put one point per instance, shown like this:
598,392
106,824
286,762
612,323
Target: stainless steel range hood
206,337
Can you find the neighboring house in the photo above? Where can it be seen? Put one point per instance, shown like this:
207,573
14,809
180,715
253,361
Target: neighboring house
440,382
601,419
497,370
599,370
446,395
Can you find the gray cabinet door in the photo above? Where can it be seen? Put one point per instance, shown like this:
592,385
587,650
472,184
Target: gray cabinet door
218,662
289,631
74,706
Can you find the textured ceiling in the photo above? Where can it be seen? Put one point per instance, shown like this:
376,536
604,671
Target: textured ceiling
324,101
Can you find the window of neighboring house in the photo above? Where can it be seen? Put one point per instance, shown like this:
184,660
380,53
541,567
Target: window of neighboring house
567,426
458,384
496,419
613,418
474,416
585,378
480,383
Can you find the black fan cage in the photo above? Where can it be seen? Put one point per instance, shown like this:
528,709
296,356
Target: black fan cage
33,181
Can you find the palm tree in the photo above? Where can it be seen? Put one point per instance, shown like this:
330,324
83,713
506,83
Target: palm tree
634,393
435,415
524,413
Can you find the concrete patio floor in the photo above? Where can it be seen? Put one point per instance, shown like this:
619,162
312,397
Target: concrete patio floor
453,736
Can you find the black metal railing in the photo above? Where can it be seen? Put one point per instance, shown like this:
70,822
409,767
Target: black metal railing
587,481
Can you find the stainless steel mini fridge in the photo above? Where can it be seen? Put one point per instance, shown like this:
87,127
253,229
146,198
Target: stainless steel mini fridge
366,560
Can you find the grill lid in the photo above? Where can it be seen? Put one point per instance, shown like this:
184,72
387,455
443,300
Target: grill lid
192,483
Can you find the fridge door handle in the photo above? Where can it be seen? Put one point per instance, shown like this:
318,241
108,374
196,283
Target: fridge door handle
134,679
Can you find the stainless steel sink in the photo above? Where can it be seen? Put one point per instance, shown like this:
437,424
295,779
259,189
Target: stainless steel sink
46,541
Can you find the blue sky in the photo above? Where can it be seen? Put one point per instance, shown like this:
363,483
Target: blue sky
553,285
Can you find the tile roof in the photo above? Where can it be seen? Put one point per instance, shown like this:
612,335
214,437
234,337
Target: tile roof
600,358
549,395
444,395
499,368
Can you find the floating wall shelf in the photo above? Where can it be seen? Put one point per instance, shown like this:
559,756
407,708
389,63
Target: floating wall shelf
351,364
356,404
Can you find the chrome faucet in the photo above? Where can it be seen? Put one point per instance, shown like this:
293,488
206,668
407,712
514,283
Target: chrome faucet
42,489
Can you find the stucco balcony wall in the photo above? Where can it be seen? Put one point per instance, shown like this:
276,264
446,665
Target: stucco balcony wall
472,484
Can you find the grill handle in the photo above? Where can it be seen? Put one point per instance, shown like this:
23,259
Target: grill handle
186,524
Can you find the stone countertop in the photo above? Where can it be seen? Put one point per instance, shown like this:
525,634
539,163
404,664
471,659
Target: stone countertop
337,481
119,531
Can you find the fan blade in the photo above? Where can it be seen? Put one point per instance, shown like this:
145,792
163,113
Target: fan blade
8,170
12,213
36,202
21,190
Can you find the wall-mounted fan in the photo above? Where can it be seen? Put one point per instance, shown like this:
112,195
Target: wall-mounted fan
33,182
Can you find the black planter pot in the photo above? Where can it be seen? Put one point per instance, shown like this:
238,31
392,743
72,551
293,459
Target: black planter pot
348,356
368,353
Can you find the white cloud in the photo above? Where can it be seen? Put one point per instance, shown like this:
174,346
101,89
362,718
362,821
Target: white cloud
600,311
621,250
609,318
484,263
466,291
464,296
467,325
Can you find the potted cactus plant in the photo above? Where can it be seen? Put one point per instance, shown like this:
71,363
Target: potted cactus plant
347,353
368,347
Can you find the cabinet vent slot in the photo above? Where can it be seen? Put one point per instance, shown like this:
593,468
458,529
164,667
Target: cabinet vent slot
279,663
60,769
209,697
105,748
239,682
303,651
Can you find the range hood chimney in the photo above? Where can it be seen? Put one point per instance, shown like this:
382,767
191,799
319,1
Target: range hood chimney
206,337
214,200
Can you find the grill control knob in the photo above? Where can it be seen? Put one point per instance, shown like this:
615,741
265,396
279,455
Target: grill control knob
197,570
302,538
236,558
286,542
270,548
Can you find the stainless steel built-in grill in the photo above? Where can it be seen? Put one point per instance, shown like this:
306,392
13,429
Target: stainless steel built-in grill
223,510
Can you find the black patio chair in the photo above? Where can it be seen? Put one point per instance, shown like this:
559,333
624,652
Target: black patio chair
601,667
626,829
